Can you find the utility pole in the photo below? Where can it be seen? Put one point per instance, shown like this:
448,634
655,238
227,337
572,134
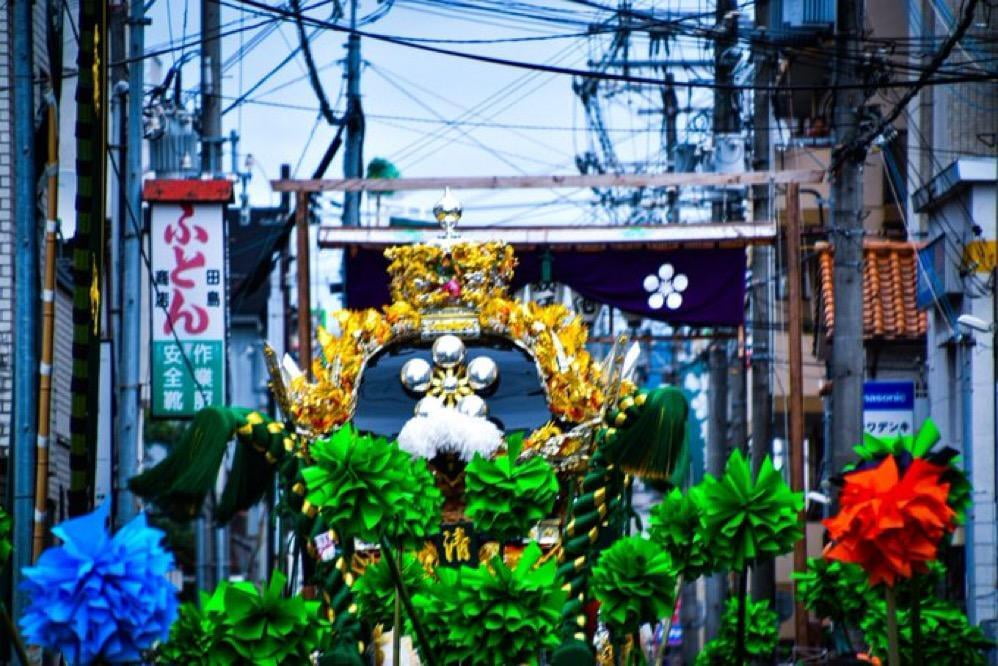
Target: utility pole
26,296
716,454
726,123
796,403
211,88
764,573
846,235
353,152
129,417
304,284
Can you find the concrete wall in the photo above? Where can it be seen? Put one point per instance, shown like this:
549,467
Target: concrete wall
953,352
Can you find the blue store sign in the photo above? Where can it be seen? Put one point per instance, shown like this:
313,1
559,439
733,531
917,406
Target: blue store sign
888,408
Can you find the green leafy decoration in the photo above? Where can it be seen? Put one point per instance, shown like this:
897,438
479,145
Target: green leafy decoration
947,636
493,614
5,527
761,635
365,485
635,582
674,525
744,519
379,167
505,497
834,589
240,624
374,591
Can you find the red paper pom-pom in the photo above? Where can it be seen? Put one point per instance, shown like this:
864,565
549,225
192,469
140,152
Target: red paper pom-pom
889,523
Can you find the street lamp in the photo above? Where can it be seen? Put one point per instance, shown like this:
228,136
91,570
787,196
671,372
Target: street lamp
975,323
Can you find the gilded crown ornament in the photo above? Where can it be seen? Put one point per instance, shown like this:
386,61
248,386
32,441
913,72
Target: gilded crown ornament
448,291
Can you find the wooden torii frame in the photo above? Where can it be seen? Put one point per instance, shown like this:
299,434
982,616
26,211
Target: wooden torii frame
728,233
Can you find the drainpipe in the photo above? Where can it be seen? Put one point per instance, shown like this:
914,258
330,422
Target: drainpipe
965,345
26,298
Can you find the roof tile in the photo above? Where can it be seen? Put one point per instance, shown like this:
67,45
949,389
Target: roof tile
890,283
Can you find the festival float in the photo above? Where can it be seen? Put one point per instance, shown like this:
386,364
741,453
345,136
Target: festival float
453,466
456,470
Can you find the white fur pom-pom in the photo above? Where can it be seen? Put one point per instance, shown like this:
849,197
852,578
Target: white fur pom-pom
449,431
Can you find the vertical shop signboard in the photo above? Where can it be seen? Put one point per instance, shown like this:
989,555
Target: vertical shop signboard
188,307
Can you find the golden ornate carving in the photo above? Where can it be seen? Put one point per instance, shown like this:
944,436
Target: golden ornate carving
429,557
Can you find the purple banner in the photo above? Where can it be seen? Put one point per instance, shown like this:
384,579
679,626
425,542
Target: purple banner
701,287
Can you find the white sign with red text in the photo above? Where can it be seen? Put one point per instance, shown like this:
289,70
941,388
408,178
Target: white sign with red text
188,307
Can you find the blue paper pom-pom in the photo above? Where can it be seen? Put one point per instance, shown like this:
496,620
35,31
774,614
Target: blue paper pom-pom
97,596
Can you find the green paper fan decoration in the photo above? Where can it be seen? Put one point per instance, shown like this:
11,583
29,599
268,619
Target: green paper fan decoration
364,485
834,589
947,636
374,591
761,635
506,497
494,614
745,519
674,525
635,582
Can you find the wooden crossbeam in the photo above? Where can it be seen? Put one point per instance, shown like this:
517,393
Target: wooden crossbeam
734,234
547,182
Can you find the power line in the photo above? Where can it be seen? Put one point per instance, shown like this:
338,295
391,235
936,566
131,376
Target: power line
554,69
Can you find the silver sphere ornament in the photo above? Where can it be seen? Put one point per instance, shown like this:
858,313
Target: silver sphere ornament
416,375
428,405
482,373
472,405
448,351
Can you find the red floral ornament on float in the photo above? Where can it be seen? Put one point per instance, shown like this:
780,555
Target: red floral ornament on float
890,521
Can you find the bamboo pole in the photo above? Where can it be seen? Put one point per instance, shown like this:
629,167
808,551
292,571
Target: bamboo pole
48,335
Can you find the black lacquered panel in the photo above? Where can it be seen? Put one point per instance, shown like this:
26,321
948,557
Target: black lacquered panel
516,402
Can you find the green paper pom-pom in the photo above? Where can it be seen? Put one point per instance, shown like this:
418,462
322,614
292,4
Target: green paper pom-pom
374,591
674,525
834,589
240,624
744,519
761,635
365,486
506,497
635,582
493,614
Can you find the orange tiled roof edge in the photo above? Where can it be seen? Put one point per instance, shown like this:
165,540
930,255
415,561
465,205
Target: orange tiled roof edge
890,286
